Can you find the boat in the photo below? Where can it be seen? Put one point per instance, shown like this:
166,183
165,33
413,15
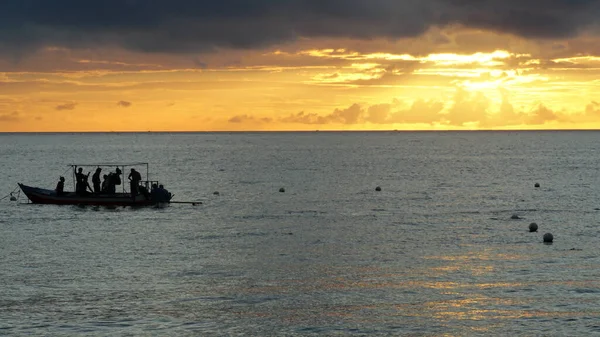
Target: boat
148,196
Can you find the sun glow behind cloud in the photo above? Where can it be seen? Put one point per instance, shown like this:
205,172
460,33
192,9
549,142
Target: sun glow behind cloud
374,85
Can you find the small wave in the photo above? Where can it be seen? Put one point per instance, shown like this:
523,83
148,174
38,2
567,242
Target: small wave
114,324
252,234
248,182
307,212
258,217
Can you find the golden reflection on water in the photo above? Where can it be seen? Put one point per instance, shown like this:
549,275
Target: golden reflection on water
485,255
438,292
452,302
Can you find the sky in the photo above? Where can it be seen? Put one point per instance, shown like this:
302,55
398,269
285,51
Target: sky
301,65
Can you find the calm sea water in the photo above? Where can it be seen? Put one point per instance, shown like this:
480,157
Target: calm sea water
435,252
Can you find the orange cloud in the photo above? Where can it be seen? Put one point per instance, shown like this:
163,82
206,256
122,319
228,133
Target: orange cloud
465,110
66,106
449,77
10,117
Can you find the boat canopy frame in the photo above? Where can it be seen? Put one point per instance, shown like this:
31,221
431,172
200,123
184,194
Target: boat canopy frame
122,166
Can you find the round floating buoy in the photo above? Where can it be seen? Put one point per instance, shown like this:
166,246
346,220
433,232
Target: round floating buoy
12,197
216,192
282,190
378,189
548,237
515,217
537,185
533,227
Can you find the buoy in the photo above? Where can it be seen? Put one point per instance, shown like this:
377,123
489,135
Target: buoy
515,217
537,185
216,192
12,197
533,227
282,190
548,238
378,189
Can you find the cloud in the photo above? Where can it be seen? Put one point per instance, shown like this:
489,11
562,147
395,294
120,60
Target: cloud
593,109
191,26
542,114
199,63
241,119
533,18
378,114
420,112
354,114
466,109
124,104
10,117
66,106
305,118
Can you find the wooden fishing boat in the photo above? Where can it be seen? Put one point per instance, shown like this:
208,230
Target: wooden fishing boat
148,195
44,196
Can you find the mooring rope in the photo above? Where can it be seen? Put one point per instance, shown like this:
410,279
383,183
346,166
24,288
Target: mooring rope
11,194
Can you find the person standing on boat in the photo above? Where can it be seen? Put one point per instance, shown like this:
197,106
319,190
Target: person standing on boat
60,187
134,181
110,184
85,186
105,183
81,181
114,179
117,177
96,180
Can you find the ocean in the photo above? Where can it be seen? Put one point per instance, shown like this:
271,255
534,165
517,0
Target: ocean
293,239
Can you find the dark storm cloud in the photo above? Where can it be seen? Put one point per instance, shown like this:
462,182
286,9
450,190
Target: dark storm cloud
191,26
527,18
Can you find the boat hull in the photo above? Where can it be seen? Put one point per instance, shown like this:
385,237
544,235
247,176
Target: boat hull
44,196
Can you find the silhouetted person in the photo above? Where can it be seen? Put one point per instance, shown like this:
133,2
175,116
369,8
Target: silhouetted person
112,180
159,194
82,183
105,182
163,194
110,183
85,186
117,177
96,180
60,187
144,191
134,181
79,179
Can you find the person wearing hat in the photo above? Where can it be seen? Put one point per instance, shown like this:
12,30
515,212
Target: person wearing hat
114,179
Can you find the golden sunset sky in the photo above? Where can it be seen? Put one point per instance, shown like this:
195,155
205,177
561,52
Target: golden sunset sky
233,65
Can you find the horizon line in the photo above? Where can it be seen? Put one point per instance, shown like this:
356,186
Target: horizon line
294,131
